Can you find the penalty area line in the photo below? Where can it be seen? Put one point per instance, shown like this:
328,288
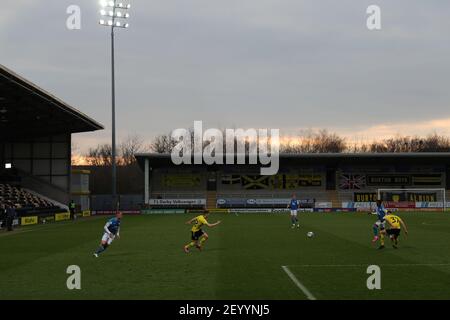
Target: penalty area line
294,279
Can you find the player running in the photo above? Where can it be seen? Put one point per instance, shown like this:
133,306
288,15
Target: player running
111,231
293,205
379,225
395,223
199,236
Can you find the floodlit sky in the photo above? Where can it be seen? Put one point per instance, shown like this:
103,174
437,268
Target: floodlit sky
288,64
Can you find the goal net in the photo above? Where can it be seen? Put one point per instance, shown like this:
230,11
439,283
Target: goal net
414,198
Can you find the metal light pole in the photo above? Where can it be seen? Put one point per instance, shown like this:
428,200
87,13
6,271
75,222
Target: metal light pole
116,11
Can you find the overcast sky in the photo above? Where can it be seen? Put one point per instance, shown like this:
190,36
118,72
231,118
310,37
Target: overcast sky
288,64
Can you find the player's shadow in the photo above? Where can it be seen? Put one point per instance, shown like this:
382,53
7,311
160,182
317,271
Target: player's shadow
400,248
212,250
120,254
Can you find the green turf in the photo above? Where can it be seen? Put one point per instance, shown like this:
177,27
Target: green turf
242,260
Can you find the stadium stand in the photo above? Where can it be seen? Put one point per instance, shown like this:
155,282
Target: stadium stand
35,146
25,202
322,181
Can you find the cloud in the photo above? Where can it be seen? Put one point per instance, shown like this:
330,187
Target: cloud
388,130
12,11
244,63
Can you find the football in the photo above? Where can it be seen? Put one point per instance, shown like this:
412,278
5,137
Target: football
310,234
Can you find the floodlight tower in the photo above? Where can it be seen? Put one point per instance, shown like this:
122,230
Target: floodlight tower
114,13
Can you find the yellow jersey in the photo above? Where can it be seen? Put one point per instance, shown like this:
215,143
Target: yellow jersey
198,223
394,221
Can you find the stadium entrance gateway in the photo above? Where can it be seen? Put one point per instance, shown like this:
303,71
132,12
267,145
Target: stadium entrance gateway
239,145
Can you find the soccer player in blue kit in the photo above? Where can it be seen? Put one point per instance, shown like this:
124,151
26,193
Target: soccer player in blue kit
111,231
380,224
293,205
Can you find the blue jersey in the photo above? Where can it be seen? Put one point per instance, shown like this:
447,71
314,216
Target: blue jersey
293,204
381,212
113,225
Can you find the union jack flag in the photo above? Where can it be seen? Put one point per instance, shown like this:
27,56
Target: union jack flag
352,181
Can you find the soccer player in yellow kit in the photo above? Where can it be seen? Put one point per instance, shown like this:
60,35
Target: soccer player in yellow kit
395,224
199,236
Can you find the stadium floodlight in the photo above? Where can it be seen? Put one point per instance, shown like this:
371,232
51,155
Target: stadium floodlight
8,165
117,12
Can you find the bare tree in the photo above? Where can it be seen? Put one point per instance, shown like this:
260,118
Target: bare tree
310,142
435,143
325,142
129,148
431,143
74,148
315,142
100,155
163,144
75,153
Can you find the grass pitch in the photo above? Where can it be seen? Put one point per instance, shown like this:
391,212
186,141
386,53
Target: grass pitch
243,259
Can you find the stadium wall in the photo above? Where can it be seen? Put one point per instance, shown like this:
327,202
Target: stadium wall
340,185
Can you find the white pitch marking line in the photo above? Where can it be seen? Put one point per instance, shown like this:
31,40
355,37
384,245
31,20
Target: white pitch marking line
5,234
298,283
41,227
365,265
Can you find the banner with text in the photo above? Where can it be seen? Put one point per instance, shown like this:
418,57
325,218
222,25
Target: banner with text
177,202
26,221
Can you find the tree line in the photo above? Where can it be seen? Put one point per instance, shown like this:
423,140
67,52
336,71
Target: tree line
320,141
99,158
